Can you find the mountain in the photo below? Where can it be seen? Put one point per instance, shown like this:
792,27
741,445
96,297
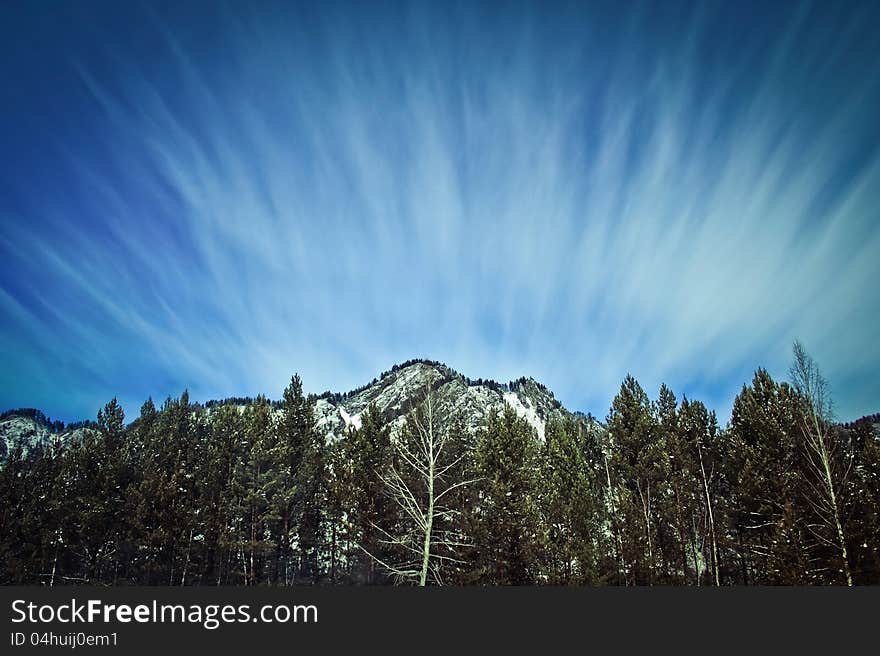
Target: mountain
872,420
30,429
397,391
394,393
22,430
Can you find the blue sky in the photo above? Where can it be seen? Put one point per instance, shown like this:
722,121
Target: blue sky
214,196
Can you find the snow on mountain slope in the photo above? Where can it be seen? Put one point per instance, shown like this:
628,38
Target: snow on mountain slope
524,410
20,429
396,393
17,430
349,420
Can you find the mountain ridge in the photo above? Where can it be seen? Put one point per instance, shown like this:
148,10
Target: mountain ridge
394,393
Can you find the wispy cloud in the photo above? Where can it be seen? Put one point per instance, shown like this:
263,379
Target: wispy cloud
566,195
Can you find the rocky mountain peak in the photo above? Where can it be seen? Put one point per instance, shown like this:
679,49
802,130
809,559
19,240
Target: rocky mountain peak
397,391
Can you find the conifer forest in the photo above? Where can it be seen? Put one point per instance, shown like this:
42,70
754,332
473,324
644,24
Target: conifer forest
430,491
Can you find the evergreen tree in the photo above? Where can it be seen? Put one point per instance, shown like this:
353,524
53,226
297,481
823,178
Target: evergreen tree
767,514
224,452
255,488
862,497
165,493
637,472
363,457
299,504
693,454
508,536
673,498
570,504
113,478
247,492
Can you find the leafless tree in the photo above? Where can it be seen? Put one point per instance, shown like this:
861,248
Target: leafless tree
826,464
419,482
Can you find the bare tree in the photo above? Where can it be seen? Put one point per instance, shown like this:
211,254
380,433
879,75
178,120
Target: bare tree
711,514
822,448
419,482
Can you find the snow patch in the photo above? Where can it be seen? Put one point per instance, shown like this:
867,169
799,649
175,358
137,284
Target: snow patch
526,412
349,419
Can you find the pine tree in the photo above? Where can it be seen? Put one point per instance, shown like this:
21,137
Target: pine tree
255,485
862,495
223,454
570,504
362,457
637,471
165,494
299,506
693,453
508,534
138,563
673,515
767,512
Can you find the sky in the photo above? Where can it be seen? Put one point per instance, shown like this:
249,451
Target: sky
214,196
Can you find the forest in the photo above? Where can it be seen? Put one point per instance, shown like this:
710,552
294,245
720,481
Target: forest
253,494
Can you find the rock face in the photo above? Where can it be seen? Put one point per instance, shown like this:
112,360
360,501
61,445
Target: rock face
22,431
394,394
29,429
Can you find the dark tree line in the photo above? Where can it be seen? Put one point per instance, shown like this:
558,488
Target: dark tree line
253,494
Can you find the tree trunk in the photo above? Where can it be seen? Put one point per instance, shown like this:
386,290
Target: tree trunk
186,562
646,510
711,519
618,543
429,523
833,498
